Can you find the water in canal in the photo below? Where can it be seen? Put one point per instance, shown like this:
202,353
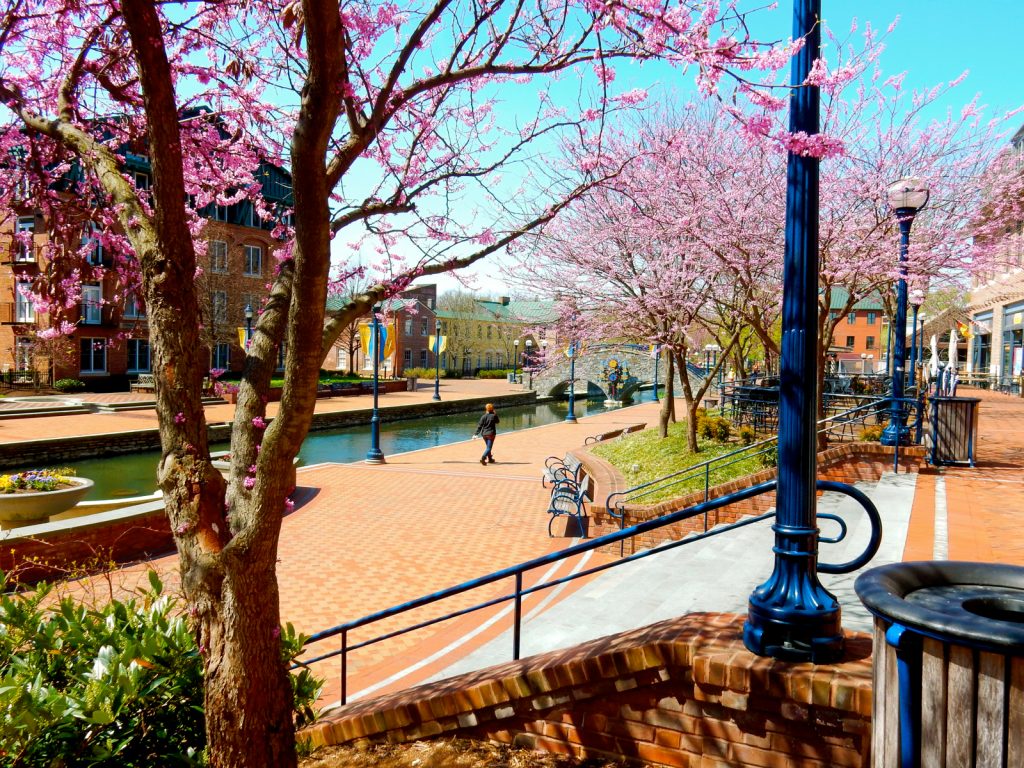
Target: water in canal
134,474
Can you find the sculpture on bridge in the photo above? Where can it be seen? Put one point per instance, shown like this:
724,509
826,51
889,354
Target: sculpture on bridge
616,374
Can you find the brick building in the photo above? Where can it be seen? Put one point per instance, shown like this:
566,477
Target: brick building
860,337
109,344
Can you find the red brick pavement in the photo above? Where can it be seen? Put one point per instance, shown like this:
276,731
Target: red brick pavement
985,504
376,536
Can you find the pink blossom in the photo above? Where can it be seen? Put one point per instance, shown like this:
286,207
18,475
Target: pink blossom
179,418
249,483
259,423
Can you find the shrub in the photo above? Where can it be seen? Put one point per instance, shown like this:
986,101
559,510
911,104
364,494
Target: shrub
69,385
705,427
494,373
770,458
129,694
722,429
451,373
872,434
419,373
747,435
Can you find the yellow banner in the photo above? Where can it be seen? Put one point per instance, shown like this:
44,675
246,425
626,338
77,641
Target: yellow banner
432,344
387,337
241,337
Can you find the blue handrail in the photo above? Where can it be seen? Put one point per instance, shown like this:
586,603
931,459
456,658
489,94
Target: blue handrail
615,503
516,571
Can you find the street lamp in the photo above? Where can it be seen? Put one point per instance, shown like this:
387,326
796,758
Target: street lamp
571,415
527,360
906,197
792,616
920,341
515,360
657,359
375,455
437,360
916,300
248,324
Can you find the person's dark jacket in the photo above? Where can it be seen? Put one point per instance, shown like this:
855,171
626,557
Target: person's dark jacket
488,424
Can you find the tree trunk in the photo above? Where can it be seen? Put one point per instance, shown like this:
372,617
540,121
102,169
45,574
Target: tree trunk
691,403
667,409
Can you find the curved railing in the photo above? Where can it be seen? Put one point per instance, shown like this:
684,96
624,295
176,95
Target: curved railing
516,572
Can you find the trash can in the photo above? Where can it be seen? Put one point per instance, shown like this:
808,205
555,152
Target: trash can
411,383
948,664
954,430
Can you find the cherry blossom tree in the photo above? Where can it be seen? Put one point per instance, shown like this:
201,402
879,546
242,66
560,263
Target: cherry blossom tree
386,117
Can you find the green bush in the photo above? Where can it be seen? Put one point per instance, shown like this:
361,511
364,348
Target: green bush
872,434
494,373
452,373
69,385
714,428
119,685
722,429
419,373
770,458
747,435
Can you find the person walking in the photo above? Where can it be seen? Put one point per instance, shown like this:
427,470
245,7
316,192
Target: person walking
487,428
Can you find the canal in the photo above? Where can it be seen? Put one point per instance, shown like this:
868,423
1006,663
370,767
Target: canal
135,474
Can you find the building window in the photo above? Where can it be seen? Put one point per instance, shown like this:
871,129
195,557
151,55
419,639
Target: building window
851,318
91,240
850,341
500,360
872,316
219,212
23,354
424,328
221,356
92,304
220,306
423,358
479,332
138,356
833,316
133,306
490,332
407,359
869,342
25,249
24,312
94,355
408,326
141,181
253,260
490,360
218,256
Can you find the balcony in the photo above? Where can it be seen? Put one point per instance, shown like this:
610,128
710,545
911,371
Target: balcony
93,313
17,255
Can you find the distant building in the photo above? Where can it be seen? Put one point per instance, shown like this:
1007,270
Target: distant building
996,307
860,339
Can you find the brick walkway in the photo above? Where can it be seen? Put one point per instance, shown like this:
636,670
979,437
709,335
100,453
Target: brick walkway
984,504
370,537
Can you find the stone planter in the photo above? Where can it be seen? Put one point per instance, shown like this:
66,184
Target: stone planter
22,508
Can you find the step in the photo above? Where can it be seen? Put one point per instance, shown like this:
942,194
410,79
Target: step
31,413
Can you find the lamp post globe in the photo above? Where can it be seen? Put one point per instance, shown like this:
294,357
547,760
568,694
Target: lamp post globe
437,360
375,455
907,197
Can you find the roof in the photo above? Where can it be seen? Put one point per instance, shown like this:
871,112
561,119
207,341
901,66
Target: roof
515,312
839,297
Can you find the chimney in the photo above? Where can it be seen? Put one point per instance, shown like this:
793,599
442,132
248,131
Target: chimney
503,300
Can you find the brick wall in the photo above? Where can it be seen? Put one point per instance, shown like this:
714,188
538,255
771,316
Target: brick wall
682,693
848,463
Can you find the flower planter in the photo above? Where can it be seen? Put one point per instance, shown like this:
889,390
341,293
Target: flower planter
37,506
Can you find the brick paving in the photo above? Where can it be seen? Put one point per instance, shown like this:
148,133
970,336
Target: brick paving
370,537
984,504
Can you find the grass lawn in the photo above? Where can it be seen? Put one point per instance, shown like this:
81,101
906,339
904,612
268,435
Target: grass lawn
643,457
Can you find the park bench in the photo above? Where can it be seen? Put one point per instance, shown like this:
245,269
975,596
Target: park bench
568,500
615,433
144,383
558,470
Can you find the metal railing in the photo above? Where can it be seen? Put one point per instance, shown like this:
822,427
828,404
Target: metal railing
834,426
516,572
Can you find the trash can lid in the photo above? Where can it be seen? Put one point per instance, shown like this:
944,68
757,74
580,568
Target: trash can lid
976,604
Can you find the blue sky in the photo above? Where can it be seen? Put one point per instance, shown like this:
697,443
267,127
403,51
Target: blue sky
934,42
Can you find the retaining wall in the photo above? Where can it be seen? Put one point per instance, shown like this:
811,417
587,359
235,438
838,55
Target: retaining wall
48,452
682,693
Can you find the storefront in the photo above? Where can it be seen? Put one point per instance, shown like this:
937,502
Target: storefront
981,343
1013,343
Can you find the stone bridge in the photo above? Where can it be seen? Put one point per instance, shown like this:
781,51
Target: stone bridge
553,379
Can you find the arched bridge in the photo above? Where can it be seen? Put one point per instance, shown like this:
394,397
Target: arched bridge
553,379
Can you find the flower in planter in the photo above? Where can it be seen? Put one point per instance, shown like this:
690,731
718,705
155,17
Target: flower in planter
37,481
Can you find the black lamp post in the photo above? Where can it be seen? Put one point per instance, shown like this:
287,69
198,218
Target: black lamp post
906,197
916,300
375,455
515,360
527,360
571,415
792,616
248,324
437,360
920,341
